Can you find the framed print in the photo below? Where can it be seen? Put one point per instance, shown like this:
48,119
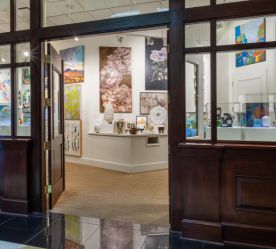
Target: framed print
73,137
149,100
141,122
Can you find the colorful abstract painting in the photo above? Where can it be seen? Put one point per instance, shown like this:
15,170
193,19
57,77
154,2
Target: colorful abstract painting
5,87
116,79
149,100
73,64
156,64
255,112
250,32
73,137
72,102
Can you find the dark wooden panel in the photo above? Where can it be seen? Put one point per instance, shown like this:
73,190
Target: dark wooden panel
15,162
202,230
201,184
250,193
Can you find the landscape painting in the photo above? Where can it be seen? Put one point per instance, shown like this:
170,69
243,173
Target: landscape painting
72,102
251,32
73,137
149,100
116,79
73,64
156,64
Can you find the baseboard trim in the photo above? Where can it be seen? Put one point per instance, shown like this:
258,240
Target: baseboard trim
203,231
15,206
134,168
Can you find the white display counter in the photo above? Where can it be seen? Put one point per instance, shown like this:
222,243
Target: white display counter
125,152
261,134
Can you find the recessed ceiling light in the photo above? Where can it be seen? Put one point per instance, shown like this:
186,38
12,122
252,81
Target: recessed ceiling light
3,60
76,39
26,53
129,13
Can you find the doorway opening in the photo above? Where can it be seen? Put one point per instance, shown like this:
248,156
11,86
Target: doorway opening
114,122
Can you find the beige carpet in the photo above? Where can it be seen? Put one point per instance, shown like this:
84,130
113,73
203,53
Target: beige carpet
139,198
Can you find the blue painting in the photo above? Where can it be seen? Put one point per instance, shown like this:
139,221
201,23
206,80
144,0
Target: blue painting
255,112
250,32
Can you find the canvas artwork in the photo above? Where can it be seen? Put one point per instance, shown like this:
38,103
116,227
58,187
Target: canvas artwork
156,64
26,75
73,64
73,137
5,87
255,112
116,79
141,122
149,100
251,32
72,102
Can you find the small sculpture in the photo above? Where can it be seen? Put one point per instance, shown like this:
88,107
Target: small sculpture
97,126
109,113
120,126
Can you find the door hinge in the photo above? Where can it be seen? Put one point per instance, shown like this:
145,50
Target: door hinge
47,102
47,145
47,59
48,189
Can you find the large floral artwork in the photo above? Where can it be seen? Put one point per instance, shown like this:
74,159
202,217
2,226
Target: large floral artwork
116,79
73,64
149,100
72,102
156,65
250,32
73,136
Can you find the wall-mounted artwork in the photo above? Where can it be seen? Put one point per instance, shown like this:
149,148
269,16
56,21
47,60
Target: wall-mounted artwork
149,100
26,75
116,79
73,64
72,102
250,32
255,112
156,64
73,137
5,87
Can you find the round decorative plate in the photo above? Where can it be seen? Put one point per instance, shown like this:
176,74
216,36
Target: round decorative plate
158,115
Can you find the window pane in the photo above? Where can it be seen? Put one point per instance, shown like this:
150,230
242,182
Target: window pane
5,54
197,70
246,95
230,1
249,30
5,102
22,14
196,3
73,11
23,52
4,16
23,88
197,35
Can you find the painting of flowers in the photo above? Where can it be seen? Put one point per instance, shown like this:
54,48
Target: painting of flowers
250,32
72,102
73,64
156,64
149,100
116,79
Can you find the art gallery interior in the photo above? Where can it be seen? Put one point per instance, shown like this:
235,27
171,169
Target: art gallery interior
150,112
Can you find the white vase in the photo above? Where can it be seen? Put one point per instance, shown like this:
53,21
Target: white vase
266,121
97,127
109,113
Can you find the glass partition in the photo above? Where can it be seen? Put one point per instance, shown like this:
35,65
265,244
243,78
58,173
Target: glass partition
197,35
77,11
246,95
22,52
5,54
230,1
5,102
4,16
196,3
198,115
22,14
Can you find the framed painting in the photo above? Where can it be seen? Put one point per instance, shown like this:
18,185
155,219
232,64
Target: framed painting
116,79
141,122
255,112
26,75
5,87
251,32
149,100
73,64
72,102
156,64
73,137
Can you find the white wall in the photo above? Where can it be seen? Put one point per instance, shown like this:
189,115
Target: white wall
90,88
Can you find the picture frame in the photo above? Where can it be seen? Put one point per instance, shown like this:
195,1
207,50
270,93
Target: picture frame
149,100
73,137
26,75
141,121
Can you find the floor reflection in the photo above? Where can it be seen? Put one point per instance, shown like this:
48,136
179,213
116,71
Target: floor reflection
58,231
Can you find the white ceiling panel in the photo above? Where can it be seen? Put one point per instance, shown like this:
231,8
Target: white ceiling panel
101,14
60,20
81,17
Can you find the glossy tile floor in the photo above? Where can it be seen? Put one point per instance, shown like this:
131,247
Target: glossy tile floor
58,231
